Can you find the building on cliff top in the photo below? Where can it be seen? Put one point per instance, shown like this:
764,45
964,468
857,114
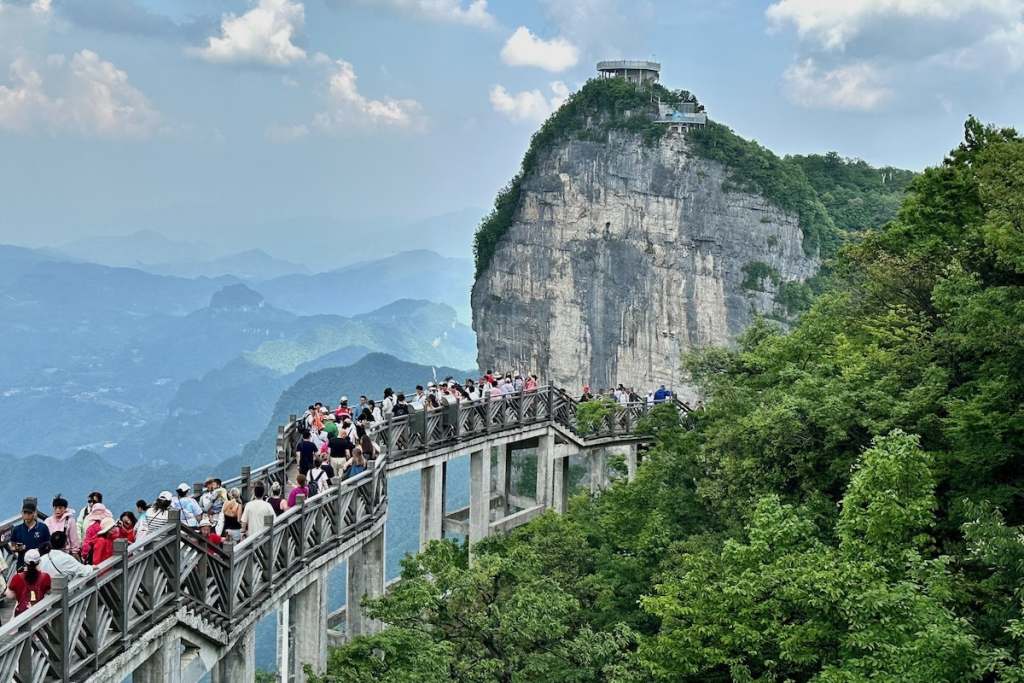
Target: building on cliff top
676,117
634,71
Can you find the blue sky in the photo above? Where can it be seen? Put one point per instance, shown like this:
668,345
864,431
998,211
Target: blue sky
255,123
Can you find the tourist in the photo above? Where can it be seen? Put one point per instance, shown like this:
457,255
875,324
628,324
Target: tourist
141,507
586,395
419,400
29,586
370,448
213,499
60,562
342,411
338,449
31,534
299,490
662,394
531,383
126,524
256,512
275,500
207,532
401,407
307,452
156,517
355,465
387,405
378,416
92,499
330,425
232,514
94,520
189,508
103,544
63,519
319,479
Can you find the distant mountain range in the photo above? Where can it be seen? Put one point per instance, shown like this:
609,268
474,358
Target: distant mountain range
147,368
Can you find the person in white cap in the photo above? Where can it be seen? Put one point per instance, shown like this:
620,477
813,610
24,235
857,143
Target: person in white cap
156,516
29,586
190,510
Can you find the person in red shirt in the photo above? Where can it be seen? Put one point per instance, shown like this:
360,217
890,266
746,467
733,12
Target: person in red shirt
103,546
29,586
126,527
206,529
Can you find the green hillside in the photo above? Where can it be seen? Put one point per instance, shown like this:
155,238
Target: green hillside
848,507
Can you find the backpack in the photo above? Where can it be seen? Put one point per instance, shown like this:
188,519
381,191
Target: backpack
314,482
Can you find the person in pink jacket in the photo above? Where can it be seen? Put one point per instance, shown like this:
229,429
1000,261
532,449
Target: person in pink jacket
93,521
63,519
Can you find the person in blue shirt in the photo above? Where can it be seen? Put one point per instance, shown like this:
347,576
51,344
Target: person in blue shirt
661,394
190,510
31,534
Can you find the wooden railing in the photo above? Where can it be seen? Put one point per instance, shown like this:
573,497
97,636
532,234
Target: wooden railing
72,632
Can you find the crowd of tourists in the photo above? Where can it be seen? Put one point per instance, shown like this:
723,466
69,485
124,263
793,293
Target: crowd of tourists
333,443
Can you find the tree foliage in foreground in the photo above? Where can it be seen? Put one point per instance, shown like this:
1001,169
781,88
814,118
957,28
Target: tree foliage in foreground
846,508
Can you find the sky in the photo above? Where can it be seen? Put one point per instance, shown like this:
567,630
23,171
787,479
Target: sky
271,123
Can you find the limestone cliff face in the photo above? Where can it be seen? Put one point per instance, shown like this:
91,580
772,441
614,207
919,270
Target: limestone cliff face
621,256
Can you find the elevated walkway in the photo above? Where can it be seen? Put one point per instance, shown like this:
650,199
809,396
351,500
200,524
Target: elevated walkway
174,607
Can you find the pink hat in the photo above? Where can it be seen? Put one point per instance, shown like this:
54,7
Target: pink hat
98,512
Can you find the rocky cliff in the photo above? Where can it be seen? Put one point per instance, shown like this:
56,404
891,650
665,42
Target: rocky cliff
621,253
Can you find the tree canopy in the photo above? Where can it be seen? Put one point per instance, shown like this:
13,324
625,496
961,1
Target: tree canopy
847,506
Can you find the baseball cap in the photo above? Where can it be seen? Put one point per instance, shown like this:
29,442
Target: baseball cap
165,495
32,557
183,488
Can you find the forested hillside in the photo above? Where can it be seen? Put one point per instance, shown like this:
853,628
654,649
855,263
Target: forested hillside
846,507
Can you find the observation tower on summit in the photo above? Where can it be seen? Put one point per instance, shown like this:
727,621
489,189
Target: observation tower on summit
635,71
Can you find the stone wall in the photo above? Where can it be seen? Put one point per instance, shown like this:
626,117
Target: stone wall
621,256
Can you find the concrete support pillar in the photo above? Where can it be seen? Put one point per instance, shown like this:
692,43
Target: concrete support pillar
631,461
307,615
479,495
545,461
163,666
503,475
365,578
432,494
284,642
239,663
560,484
598,470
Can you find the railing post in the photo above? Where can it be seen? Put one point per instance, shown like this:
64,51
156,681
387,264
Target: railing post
60,585
229,598
174,583
125,608
519,409
25,660
268,553
300,501
246,486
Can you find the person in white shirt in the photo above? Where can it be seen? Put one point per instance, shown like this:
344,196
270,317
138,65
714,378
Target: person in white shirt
388,404
255,514
419,399
59,563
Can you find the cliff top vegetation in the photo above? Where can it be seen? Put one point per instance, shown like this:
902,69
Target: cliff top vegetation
829,194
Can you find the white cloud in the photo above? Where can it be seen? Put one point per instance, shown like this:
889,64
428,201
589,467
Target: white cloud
523,48
263,35
528,105
861,54
473,13
88,96
349,107
834,25
852,87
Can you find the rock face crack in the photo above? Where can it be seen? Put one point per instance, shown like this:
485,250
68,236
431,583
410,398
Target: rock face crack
622,256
